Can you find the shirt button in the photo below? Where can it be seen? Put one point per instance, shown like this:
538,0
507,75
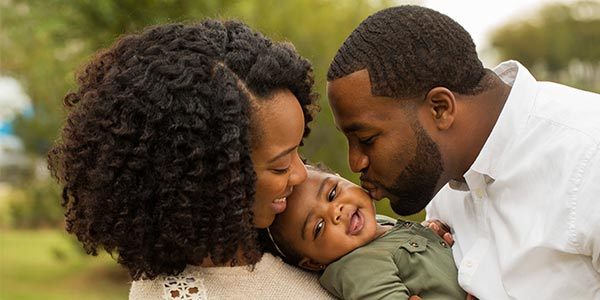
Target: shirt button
444,244
469,264
479,193
414,244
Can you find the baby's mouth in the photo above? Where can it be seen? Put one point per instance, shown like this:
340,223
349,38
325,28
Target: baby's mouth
356,223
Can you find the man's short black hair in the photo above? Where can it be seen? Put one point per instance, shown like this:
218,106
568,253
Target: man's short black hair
409,50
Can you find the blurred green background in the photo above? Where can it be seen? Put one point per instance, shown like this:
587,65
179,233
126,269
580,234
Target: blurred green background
42,44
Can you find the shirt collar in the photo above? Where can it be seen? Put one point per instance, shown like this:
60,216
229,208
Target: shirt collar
512,119
463,186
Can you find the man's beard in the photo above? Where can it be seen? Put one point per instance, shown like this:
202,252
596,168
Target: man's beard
414,188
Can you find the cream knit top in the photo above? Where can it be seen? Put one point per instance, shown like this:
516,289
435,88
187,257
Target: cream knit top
270,279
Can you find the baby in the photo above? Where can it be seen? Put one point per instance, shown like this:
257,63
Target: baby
330,225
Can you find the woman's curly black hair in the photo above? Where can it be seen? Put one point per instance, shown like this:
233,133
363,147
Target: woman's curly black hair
154,157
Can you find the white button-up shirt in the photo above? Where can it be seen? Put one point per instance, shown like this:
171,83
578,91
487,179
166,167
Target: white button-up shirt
526,221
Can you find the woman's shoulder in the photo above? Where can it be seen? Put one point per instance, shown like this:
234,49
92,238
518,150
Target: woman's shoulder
182,286
269,278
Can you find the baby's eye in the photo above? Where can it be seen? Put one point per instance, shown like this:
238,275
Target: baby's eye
319,227
332,193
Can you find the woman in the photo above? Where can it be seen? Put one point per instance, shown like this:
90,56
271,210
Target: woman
180,143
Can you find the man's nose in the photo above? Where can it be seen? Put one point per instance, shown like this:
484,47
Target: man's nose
357,159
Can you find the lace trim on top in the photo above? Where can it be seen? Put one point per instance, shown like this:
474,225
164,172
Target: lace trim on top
184,287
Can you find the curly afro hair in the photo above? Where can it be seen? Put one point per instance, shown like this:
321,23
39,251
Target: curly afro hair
154,157
408,50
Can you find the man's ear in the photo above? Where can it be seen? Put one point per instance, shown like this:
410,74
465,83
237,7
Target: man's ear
310,264
441,106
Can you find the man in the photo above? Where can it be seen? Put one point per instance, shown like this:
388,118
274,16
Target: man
513,163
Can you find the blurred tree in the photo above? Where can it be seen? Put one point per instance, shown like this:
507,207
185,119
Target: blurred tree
561,43
34,210
44,42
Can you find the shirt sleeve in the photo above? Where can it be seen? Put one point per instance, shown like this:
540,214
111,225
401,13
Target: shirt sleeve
364,276
431,210
587,217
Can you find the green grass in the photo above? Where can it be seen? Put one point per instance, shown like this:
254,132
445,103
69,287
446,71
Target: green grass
48,264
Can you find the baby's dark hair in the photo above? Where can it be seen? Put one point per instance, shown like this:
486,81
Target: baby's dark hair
320,167
154,158
277,243
408,50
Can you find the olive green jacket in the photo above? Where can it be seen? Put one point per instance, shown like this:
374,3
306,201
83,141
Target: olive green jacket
407,260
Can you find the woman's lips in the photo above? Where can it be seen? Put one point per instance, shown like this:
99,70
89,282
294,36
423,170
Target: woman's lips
356,223
279,205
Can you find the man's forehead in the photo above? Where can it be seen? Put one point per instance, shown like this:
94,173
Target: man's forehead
357,84
352,118
361,75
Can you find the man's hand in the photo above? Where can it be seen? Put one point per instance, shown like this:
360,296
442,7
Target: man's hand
440,229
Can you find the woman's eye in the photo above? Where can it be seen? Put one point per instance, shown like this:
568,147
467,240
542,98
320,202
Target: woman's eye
332,193
319,227
281,171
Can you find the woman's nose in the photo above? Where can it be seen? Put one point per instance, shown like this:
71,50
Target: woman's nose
298,172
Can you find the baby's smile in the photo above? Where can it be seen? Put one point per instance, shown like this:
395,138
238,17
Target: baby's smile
356,224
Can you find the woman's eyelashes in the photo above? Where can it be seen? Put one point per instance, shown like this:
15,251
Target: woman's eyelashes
281,171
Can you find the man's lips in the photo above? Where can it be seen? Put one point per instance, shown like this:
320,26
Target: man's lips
374,191
366,184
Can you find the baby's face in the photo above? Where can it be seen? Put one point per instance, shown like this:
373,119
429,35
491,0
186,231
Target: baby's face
327,217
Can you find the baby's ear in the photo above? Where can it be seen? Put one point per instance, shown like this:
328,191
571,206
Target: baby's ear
309,264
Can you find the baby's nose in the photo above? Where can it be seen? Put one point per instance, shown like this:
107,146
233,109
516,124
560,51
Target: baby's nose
337,213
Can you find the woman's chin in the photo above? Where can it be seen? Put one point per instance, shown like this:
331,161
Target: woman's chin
264,221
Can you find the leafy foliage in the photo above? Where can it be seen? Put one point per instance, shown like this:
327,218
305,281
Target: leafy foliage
561,43
43,42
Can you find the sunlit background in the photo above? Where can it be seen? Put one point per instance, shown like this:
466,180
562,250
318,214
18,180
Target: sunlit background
42,43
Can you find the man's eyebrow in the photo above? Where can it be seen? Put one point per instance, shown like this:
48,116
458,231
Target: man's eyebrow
282,154
353,127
